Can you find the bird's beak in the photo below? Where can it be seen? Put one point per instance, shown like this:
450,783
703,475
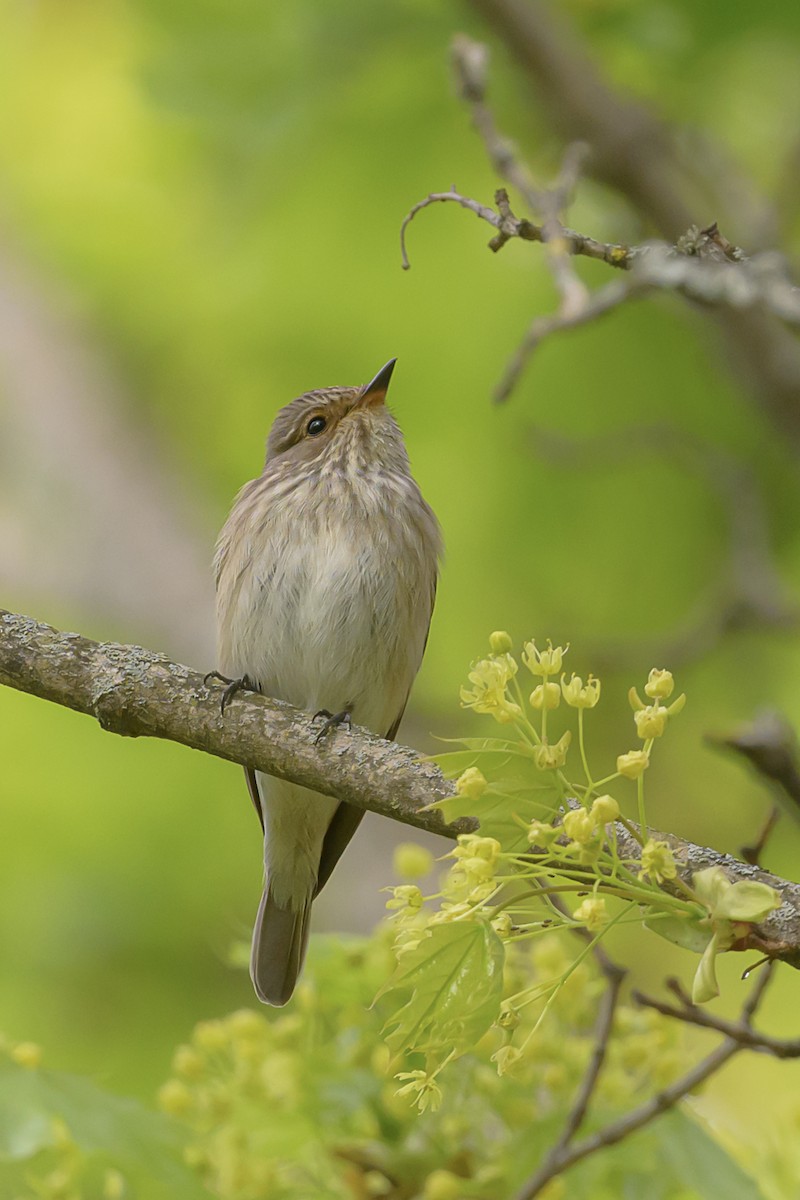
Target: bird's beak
375,391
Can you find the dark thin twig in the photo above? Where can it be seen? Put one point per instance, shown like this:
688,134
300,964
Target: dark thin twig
740,1031
667,1098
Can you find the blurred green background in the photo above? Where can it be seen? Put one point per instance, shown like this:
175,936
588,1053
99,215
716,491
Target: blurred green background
199,216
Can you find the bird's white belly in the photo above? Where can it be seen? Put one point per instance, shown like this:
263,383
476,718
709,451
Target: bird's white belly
329,623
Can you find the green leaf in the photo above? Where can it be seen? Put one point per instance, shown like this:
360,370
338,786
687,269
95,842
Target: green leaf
705,986
710,885
700,1162
455,976
747,900
121,1130
682,931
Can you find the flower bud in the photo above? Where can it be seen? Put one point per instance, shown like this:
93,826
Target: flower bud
412,861
660,684
579,825
651,721
442,1185
509,1018
503,925
472,783
633,764
546,695
592,913
605,810
500,642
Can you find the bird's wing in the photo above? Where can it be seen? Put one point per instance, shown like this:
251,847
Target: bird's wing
346,821
252,787
347,817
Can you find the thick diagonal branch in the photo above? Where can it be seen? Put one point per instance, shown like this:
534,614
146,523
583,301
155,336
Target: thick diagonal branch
136,693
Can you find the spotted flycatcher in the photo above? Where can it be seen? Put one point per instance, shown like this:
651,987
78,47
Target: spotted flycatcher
326,574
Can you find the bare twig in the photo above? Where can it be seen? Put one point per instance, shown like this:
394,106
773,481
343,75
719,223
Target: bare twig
635,153
596,304
769,744
136,693
605,1022
470,61
509,226
667,1098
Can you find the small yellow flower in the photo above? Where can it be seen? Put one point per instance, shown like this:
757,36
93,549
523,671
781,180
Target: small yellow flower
660,684
605,810
500,642
541,834
471,783
376,1184
651,721
175,1098
114,1185
551,758
412,861
579,694
592,913
546,695
424,1088
503,925
472,845
658,862
506,1058
490,678
27,1054
543,662
210,1035
245,1023
188,1063
442,1185
579,825
633,764
407,896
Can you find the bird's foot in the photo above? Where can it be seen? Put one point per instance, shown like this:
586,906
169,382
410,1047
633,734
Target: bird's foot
233,686
332,721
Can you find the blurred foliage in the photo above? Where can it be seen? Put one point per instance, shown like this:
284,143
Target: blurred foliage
307,1103
216,190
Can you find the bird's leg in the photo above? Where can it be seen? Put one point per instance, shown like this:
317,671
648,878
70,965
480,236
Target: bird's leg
233,686
332,721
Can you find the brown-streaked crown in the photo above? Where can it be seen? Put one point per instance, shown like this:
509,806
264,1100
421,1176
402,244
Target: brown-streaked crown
303,429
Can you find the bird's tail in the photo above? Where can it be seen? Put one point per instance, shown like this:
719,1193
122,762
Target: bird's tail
280,938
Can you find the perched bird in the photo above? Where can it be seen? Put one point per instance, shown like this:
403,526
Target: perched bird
326,574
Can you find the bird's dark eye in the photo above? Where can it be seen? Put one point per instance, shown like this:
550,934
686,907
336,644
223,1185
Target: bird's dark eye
315,426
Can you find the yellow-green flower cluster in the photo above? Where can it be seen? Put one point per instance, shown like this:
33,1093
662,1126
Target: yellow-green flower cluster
651,719
489,692
658,862
472,879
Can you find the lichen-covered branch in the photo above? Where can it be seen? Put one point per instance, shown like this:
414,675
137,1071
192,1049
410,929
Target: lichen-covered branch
137,693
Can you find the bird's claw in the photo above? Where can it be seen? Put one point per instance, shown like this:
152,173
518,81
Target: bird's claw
332,721
233,686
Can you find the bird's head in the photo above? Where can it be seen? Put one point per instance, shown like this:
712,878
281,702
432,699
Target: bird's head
340,426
